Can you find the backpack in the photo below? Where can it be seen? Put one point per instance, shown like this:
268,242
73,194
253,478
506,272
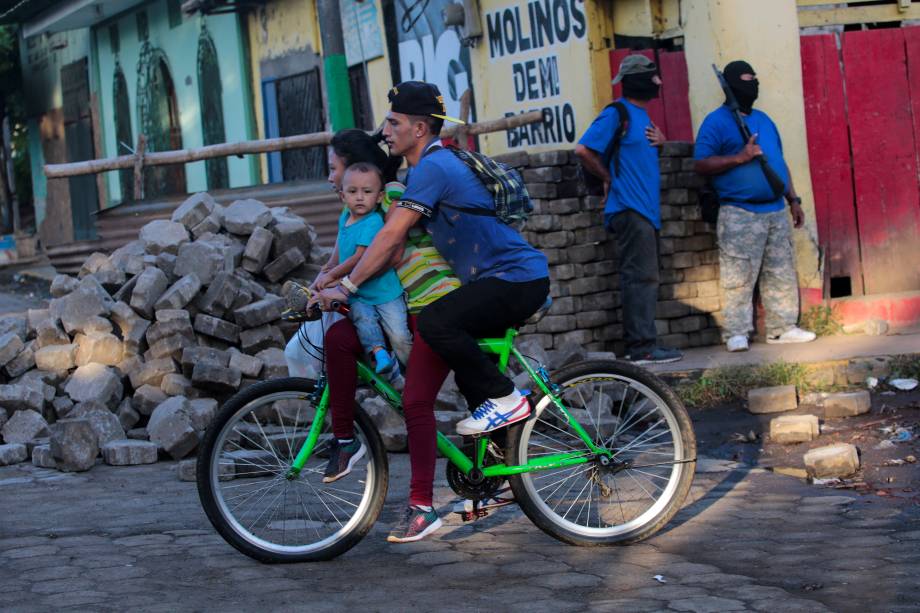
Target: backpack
504,183
613,149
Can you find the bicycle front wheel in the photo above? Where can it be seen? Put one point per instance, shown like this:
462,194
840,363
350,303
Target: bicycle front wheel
253,501
622,499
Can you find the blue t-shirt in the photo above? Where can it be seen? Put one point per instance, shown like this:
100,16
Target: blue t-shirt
385,286
475,246
719,135
639,183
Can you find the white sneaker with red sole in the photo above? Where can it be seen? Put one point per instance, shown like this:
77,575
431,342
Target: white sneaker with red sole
495,413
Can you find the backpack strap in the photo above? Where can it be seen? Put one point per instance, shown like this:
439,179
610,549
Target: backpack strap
613,149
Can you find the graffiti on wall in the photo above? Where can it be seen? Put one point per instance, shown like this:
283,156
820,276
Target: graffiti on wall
536,48
429,51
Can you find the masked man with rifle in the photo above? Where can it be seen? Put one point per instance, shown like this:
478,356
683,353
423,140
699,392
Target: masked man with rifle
620,148
740,149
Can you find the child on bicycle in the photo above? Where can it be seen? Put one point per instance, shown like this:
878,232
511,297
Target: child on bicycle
379,305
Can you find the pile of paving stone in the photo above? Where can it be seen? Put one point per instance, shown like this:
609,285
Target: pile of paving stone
132,356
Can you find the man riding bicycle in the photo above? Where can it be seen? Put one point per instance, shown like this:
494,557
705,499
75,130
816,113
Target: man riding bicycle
504,281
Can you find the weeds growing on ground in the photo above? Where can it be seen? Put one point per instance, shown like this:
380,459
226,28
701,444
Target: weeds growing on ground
822,319
905,366
729,383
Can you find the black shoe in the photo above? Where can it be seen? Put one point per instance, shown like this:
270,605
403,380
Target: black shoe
342,459
416,524
658,355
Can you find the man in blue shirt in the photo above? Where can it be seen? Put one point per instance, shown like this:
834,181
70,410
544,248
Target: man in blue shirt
632,211
504,281
755,240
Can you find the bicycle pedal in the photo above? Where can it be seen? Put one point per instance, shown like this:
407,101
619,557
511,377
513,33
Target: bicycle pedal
473,515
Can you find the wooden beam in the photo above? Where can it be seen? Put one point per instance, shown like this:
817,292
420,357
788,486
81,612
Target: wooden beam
829,3
861,14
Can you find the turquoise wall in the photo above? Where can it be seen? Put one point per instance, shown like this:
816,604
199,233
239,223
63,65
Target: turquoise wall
180,45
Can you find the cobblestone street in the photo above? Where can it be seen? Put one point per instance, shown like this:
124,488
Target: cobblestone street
115,538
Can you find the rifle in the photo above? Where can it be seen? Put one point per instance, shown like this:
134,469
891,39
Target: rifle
774,180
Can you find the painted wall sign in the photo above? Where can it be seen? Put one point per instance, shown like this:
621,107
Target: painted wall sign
536,56
361,30
428,51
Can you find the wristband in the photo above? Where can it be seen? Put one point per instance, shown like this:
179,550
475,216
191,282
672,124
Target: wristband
347,284
794,200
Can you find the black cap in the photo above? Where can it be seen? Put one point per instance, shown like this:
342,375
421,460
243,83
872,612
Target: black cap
419,98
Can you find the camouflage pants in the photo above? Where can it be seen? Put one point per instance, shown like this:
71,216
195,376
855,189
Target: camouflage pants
753,245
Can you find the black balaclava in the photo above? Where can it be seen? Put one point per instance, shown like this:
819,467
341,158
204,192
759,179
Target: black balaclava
746,92
640,86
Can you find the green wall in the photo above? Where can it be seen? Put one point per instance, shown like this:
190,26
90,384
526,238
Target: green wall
180,45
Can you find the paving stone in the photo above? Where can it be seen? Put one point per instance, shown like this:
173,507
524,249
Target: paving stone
19,397
163,236
104,423
98,347
176,385
10,346
42,458
244,216
567,353
127,416
258,248
129,453
254,340
261,312
169,347
249,366
13,453
772,399
283,264
146,398
21,363
174,325
95,383
180,293
56,357
138,434
129,258
202,411
132,327
217,378
202,355
274,363
81,310
186,470
220,295
170,427
150,285
49,332
152,372
62,285
194,210
62,405
23,426
4,417
837,460
847,404
203,259
794,428
73,445
218,328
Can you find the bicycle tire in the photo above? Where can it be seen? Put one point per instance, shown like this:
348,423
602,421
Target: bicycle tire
547,519
209,479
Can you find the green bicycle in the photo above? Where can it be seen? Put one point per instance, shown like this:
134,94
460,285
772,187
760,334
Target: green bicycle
606,457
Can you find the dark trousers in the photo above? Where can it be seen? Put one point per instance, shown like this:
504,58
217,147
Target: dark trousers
638,245
483,308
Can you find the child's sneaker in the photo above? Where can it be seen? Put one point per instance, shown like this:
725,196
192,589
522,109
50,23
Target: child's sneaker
416,524
385,361
495,413
342,458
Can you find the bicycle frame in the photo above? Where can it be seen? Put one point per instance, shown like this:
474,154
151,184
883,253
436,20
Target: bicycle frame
504,349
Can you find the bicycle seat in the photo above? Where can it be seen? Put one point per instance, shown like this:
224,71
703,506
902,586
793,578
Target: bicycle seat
543,310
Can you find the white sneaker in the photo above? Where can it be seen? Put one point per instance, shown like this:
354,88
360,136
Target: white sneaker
738,342
495,413
793,335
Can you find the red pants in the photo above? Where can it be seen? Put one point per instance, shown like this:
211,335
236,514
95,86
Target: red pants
424,376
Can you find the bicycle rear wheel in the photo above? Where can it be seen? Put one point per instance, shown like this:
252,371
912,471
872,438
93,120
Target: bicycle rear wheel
643,424
250,499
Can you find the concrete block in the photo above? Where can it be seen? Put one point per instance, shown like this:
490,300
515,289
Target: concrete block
20,397
258,248
772,399
73,445
837,460
147,398
95,383
170,428
203,259
42,458
256,339
98,347
169,347
218,328
24,426
187,470
217,378
152,372
129,453
62,285
220,295
249,366
202,411
149,287
275,364
13,453
847,404
132,327
285,263
180,293
126,414
244,216
794,428
194,210
176,385
175,325
259,313
162,236
292,233
21,363
104,423
10,346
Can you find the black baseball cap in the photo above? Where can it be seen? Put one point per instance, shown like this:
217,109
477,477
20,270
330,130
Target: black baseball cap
419,98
